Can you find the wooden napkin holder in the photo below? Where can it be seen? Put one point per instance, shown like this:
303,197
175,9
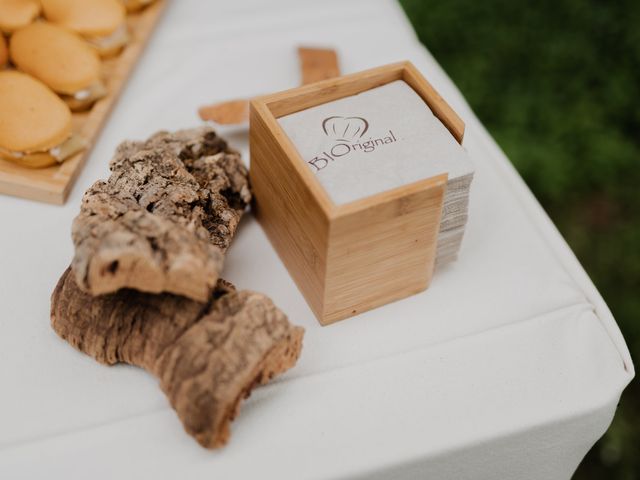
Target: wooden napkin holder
353,257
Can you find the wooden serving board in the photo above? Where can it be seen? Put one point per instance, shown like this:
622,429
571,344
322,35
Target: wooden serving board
52,184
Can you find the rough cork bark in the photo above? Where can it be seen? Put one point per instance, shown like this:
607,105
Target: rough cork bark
163,219
207,356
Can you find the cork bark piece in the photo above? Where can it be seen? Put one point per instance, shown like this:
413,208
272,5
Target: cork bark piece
208,357
163,219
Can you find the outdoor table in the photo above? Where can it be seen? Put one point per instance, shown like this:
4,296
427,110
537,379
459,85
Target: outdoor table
510,366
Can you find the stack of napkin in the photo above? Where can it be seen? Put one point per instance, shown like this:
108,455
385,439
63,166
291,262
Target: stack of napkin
382,139
454,217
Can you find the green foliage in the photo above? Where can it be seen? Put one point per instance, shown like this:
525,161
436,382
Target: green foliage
558,86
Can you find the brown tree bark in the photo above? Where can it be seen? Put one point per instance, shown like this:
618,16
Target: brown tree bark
207,356
163,219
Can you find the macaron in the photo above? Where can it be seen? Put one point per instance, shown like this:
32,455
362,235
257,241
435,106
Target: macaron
16,14
61,60
35,125
101,22
4,52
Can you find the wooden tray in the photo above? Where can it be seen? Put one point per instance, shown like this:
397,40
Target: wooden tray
52,185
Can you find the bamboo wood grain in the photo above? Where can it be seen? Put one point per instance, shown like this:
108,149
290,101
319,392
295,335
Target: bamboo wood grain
440,108
384,249
302,241
53,184
301,98
349,258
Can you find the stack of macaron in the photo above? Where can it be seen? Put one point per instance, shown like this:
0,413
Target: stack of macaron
51,55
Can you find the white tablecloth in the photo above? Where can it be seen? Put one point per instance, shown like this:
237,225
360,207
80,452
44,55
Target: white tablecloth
510,366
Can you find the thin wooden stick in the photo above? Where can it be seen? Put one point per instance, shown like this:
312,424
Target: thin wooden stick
231,112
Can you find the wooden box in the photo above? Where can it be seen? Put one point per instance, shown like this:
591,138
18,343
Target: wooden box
352,257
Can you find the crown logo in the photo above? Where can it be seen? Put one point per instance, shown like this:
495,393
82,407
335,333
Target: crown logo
345,129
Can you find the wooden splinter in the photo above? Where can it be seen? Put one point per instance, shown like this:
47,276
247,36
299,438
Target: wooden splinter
207,357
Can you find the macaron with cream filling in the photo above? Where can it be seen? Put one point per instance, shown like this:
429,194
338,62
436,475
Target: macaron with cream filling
102,23
61,60
35,125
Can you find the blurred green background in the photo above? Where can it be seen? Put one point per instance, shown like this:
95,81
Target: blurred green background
557,83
